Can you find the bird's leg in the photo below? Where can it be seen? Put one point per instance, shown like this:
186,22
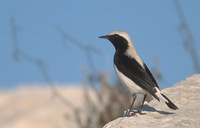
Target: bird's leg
128,112
140,110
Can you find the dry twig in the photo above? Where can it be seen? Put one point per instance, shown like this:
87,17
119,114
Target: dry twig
37,62
188,39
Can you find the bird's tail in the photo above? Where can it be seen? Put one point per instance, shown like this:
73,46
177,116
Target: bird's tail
169,103
165,99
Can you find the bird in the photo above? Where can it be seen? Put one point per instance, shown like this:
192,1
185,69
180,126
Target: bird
134,73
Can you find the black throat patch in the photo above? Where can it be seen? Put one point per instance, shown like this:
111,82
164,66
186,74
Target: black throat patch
119,42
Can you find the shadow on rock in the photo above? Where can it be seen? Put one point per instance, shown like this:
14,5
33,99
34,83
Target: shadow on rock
151,109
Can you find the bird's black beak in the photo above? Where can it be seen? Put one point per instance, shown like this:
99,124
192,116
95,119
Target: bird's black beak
104,37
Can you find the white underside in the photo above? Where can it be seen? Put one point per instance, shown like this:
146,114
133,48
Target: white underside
133,88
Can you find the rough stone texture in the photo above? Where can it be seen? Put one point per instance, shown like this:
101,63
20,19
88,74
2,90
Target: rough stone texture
37,107
185,94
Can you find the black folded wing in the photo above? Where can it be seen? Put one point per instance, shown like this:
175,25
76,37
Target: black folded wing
150,75
134,71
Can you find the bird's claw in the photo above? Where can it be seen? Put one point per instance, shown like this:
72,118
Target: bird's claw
128,113
140,112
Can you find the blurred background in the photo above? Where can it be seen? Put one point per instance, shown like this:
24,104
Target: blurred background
56,72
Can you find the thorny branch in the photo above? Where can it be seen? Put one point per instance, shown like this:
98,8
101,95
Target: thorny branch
92,120
88,50
188,39
37,62
107,96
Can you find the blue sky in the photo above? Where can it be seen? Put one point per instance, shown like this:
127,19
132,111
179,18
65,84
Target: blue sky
152,25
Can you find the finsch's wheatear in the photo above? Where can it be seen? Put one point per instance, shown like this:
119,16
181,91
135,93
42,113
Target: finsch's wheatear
133,72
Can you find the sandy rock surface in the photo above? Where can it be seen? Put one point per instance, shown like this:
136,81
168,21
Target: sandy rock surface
185,94
36,107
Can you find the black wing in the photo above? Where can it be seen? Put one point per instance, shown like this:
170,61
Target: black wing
150,75
134,71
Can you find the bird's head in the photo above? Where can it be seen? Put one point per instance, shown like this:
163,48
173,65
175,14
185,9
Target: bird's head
120,39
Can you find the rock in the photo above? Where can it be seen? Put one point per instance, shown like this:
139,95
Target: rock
37,107
185,94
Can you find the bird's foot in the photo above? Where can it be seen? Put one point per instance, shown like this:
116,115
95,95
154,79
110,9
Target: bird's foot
140,112
129,113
